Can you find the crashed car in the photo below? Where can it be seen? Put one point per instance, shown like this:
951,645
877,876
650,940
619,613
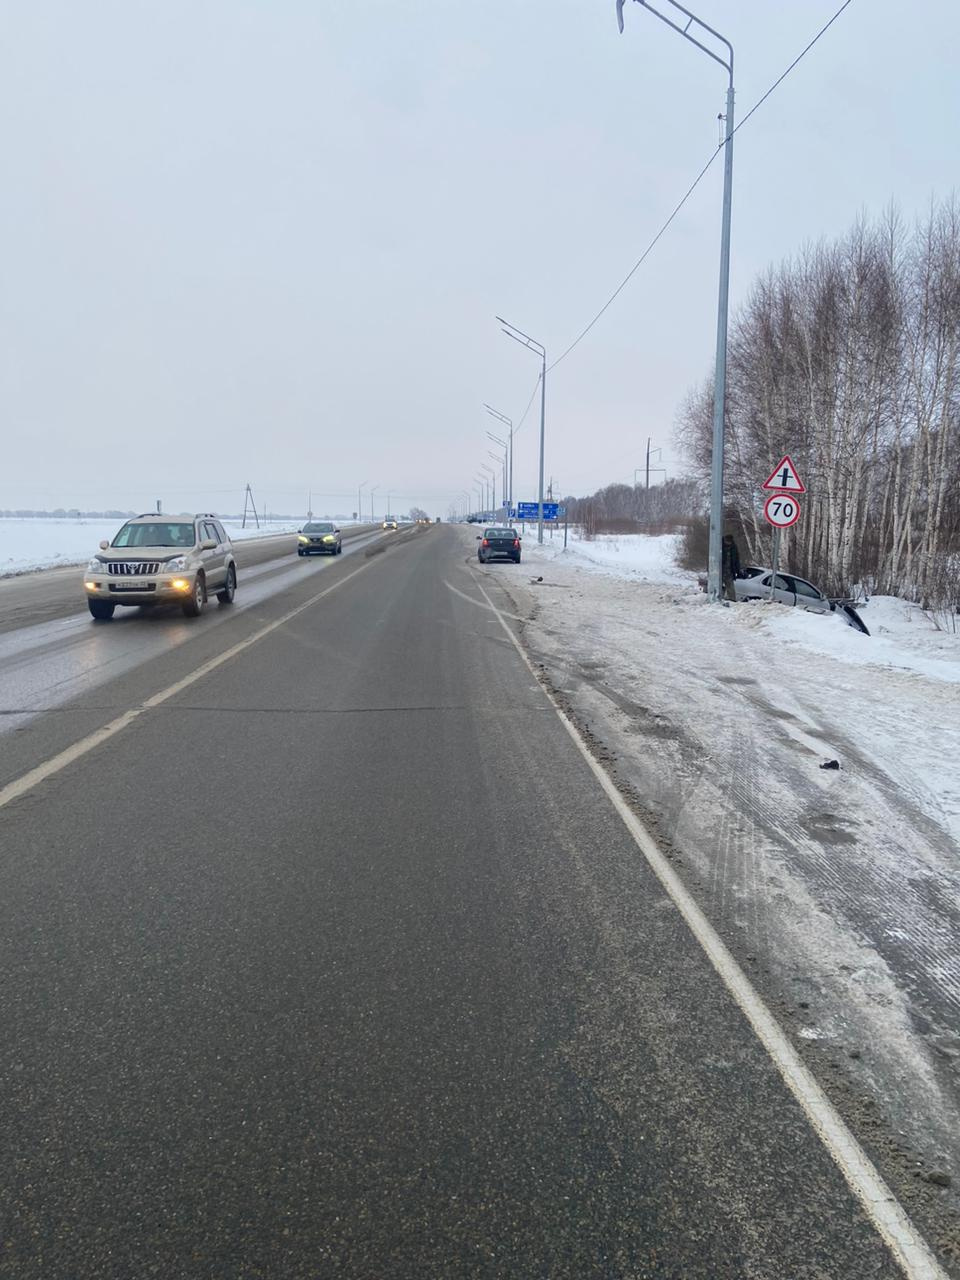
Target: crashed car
756,583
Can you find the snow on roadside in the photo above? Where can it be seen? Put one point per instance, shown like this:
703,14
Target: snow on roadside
902,636
627,555
844,882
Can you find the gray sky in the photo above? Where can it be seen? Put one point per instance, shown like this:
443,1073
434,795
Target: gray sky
265,240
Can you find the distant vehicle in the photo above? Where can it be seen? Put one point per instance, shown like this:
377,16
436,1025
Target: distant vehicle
497,543
319,537
423,519
755,583
390,522
157,559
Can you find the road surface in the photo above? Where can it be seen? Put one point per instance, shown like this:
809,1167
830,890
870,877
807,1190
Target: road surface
323,953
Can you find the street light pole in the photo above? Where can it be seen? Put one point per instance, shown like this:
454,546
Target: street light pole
537,348
723,301
359,506
508,423
503,466
493,488
502,463
373,518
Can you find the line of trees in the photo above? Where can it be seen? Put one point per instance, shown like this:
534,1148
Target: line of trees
62,513
624,508
848,358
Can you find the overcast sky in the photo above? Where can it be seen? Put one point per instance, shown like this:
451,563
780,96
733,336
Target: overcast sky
265,240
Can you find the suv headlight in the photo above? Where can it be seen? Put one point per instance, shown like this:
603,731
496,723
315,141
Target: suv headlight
96,565
176,565
328,537
301,538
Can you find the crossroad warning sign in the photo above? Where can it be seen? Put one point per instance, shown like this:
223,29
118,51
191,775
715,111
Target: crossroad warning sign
785,476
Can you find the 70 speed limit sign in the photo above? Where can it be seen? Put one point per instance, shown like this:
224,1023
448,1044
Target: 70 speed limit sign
781,510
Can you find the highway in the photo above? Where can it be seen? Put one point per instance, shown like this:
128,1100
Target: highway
323,952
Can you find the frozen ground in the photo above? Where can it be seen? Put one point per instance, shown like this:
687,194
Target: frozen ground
45,543
838,888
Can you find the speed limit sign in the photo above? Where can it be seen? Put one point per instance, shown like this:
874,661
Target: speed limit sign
781,510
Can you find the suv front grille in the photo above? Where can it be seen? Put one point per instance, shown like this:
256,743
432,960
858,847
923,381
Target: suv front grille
133,568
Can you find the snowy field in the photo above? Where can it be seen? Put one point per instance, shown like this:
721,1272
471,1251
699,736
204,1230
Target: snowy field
30,544
842,884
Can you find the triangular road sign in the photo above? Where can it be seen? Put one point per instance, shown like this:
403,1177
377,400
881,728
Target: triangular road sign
785,476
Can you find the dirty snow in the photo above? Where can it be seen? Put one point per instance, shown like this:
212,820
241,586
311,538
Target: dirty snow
843,884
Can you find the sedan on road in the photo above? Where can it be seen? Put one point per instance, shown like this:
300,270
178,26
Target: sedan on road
319,537
498,544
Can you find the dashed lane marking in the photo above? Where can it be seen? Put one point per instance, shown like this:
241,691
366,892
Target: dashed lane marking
27,781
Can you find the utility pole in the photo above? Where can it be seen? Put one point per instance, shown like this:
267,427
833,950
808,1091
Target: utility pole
714,582
661,469
249,503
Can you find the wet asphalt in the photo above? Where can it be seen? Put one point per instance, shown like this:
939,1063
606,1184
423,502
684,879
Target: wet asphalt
339,963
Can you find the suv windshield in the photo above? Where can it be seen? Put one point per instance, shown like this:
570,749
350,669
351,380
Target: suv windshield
155,535
318,528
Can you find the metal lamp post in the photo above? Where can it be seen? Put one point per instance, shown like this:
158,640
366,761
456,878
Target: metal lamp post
720,371
503,464
539,349
508,423
373,518
493,487
359,507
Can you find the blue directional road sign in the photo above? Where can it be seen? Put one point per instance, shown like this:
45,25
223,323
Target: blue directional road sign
529,510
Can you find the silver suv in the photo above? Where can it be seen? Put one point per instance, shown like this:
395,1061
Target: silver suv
162,560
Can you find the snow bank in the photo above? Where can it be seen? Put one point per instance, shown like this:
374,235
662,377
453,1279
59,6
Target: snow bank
902,637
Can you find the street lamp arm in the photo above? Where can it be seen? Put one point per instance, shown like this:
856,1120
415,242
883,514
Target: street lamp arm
692,20
508,422
524,339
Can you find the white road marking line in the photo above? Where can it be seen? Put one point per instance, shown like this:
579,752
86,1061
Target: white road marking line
479,603
879,1203
27,781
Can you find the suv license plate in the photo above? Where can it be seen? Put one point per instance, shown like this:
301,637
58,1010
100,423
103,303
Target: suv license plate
132,586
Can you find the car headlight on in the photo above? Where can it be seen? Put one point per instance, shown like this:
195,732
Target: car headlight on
96,566
176,565
328,537
302,538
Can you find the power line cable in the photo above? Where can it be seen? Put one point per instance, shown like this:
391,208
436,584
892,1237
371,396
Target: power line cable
693,186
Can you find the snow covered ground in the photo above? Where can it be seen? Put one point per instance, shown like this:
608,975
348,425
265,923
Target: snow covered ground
839,889
41,543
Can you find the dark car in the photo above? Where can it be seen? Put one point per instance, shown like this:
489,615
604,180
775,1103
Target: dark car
498,544
319,537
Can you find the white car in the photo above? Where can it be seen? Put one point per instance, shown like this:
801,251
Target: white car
756,583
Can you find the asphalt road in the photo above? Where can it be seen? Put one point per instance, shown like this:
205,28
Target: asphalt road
338,962
30,598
